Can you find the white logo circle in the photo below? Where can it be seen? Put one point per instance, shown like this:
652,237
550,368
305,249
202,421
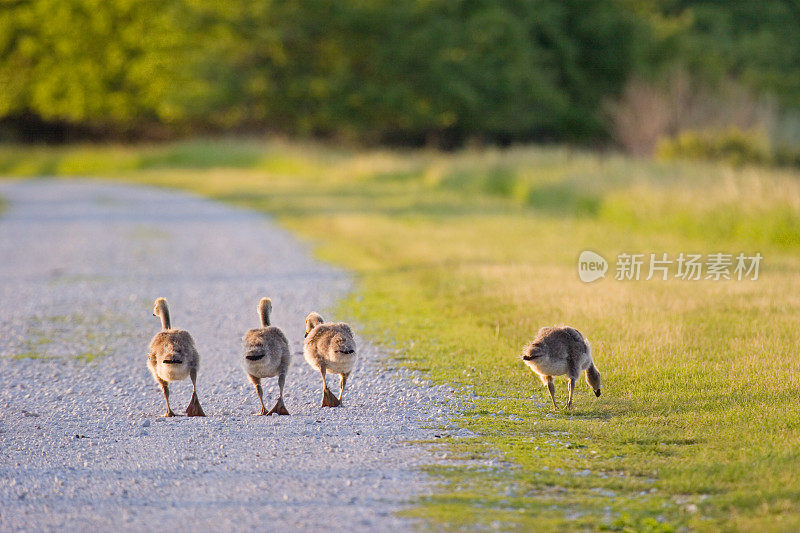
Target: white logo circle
591,266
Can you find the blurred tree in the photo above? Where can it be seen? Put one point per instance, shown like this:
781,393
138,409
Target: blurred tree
380,70
96,62
757,43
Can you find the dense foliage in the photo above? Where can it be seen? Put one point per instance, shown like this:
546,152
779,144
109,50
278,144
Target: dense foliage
381,70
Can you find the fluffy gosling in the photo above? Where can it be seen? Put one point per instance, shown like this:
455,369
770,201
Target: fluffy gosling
173,357
266,355
558,351
330,347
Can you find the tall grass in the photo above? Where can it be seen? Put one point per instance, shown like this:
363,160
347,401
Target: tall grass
693,199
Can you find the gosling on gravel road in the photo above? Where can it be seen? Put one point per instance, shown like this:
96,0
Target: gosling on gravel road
330,347
266,355
173,357
557,351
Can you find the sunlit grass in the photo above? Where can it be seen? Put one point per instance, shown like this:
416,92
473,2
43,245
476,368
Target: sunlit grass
63,336
462,257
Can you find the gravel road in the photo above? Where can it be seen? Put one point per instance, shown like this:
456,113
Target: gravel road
83,445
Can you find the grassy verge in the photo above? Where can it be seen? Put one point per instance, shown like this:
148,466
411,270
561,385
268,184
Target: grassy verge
50,337
461,258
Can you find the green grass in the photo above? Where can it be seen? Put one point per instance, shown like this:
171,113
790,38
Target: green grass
48,336
90,159
461,258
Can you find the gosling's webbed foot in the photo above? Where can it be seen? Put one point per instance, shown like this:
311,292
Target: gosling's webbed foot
264,411
168,414
194,408
279,408
329,399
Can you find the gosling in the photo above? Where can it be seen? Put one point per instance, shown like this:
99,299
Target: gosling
558,351
173,357
266,355
330,347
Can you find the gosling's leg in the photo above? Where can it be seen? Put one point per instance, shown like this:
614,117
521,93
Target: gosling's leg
341,385
194,408
571,389
165,390
552,390
328,398
279,407
257,384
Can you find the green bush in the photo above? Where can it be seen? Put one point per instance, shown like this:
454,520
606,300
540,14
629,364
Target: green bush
732,146
787,156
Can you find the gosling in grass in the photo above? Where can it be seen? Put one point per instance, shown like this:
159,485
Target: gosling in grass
173,357
266,355
330,347
558,351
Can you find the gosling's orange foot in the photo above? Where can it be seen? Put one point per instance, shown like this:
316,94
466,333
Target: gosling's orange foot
194,408
279,408
329,399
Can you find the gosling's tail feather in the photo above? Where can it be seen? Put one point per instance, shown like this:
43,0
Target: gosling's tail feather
255,353
172,355
529,352
344,345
